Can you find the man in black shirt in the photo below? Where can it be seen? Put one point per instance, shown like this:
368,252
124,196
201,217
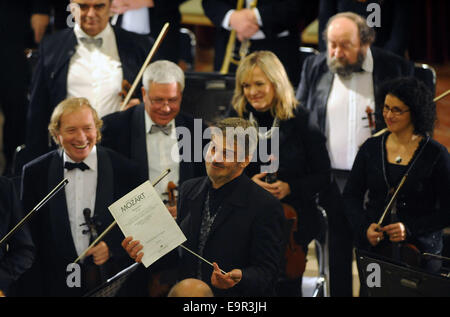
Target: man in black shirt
229,220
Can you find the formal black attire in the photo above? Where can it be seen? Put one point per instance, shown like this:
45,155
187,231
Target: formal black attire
277,16
165,12
49,84
116,176
303,164
125,133
19,256
15,77
392,34
246,233
423,202
313,92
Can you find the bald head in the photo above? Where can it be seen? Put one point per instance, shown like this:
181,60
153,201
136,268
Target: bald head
345,30
347,37
191,287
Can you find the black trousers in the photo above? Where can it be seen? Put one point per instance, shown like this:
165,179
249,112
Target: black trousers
340,238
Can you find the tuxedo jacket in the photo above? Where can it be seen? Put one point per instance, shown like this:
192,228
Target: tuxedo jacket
50,227
317,80
165,12
247,234
124,132
49,83
19,256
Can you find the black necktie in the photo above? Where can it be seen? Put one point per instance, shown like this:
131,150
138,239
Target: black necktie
164,129
70,166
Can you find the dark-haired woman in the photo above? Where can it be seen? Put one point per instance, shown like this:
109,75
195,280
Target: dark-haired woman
423,202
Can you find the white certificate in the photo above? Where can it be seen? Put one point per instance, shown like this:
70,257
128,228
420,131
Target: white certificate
142,215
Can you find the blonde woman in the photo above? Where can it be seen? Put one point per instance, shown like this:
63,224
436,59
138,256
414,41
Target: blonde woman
290,148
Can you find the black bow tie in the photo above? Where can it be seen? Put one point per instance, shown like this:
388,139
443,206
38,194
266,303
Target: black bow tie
164,129
89,40
70,166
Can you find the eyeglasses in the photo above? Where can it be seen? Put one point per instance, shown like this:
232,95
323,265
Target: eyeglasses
162,102
394,110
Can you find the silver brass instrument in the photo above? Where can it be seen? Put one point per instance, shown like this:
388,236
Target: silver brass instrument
230,50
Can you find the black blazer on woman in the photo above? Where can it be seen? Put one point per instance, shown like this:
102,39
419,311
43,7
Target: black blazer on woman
423,202
303,163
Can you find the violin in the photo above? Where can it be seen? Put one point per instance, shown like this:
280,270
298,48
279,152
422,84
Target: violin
171,187
295,257
133,99
94,274
171,202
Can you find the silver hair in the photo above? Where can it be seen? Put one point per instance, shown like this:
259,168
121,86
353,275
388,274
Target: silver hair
163,72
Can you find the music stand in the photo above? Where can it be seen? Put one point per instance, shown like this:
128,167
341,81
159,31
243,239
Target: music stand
113,284
399,280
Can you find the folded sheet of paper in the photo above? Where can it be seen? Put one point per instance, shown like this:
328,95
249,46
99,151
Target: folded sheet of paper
142,215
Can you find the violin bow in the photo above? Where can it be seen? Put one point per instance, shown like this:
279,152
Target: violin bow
155,47
392,199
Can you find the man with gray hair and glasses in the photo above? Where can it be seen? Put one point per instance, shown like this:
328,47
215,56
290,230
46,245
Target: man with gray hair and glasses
155,133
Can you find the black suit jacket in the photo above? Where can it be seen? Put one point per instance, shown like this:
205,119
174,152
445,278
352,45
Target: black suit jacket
51,228
277,16
317,80
165,12
247,234
49,83
125,133
20,254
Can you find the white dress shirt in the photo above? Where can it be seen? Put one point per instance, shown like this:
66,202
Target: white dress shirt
347,125
137,21
162,153
80,194
96,73
258,35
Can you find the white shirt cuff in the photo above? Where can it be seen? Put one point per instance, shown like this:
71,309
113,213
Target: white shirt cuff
226,20
258,16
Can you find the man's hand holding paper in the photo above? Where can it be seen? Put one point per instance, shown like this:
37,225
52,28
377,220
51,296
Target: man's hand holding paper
142,215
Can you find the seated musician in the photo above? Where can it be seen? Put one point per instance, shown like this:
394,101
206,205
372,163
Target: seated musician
97,177
265,96
16,253
423,201
148,133
228,220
